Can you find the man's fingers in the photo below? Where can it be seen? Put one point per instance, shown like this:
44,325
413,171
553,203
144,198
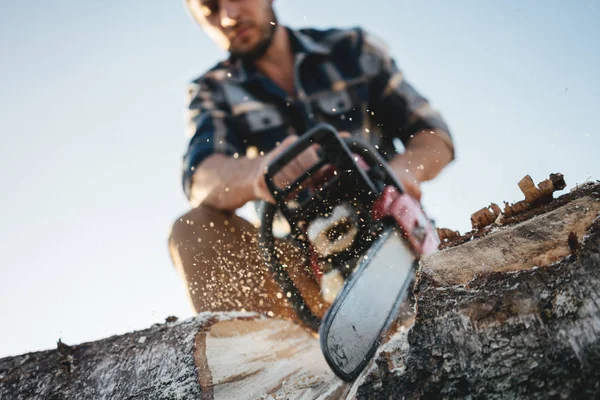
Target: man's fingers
296,169
412,188
287,142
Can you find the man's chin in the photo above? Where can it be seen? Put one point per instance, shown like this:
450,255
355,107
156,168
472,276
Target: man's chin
240,51
248,53
252,48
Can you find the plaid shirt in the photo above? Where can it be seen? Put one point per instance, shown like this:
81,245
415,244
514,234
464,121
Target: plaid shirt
344,77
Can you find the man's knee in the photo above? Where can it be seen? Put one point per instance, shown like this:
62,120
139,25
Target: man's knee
189,229
204,227
200,223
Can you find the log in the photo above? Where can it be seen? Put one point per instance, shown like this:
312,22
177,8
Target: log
511,315
504,311
212,356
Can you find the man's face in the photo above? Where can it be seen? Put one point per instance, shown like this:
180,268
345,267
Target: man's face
238,26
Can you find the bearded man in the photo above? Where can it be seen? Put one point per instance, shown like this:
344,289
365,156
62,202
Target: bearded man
276,84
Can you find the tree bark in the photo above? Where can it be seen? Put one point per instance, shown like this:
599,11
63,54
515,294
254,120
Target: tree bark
512,315
505,311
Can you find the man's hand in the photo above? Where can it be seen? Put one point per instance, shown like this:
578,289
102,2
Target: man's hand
426,155
411,183
288,174
292,171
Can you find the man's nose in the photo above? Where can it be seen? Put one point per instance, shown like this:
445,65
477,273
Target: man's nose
229,14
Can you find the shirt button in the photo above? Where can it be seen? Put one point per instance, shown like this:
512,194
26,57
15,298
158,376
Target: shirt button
266,120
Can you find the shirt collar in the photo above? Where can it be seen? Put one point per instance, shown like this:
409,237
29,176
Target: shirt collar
302,43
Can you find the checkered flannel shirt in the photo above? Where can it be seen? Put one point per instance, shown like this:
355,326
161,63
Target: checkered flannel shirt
344,77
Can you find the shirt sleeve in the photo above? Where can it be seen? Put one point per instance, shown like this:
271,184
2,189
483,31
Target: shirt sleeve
209,130
395,105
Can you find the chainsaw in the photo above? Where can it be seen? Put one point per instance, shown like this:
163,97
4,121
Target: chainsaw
362,236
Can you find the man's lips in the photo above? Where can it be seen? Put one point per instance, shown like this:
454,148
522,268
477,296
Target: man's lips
240,32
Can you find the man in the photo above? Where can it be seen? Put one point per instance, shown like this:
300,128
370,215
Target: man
276,84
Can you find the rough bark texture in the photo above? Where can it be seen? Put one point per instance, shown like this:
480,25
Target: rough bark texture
509,311
521,333
157,363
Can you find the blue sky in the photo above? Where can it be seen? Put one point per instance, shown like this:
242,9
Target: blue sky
92,136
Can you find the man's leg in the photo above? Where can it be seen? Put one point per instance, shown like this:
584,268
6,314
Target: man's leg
222,265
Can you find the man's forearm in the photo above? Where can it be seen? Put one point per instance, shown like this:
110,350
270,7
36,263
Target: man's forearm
224,183
426,155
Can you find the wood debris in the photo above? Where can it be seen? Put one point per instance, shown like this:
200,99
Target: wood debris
534,196
543,192
446,234
484,217
531,192
515,208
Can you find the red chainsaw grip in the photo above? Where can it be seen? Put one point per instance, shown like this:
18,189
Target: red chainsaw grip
408,214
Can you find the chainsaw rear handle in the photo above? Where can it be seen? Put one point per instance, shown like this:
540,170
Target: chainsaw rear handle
333,149
328,138
316,135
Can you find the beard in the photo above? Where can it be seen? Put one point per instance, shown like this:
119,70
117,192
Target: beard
267,35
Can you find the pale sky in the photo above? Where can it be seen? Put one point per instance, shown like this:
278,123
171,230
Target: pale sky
92,136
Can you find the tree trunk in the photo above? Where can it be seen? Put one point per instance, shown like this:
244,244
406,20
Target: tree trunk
508,311
513,315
